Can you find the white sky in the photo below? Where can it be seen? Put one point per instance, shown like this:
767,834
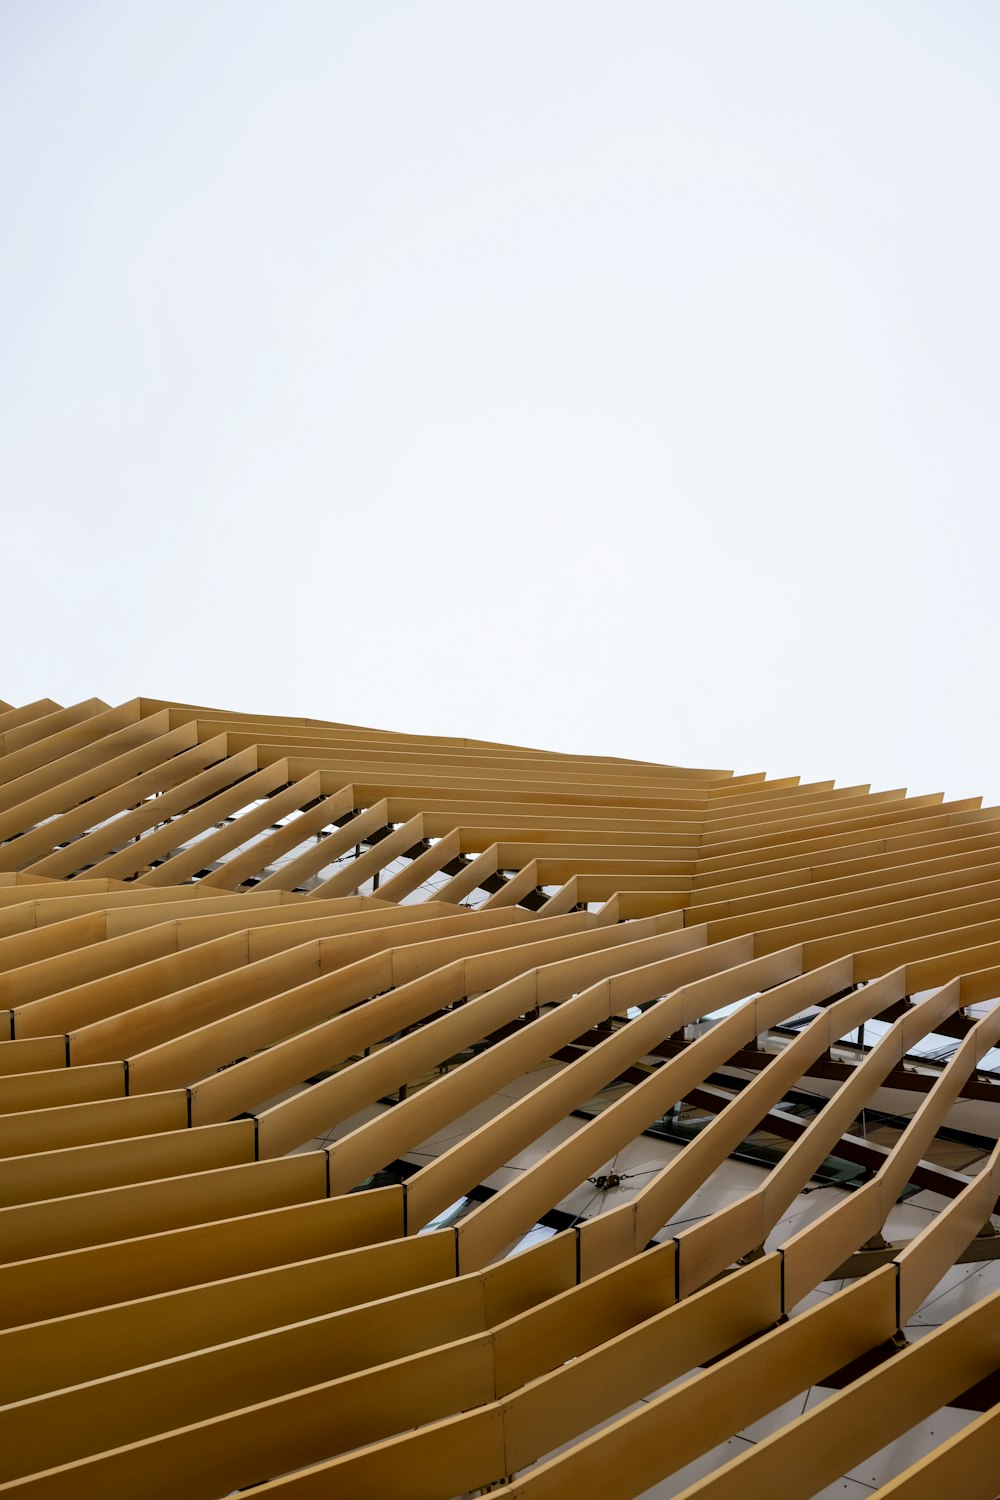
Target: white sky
615,377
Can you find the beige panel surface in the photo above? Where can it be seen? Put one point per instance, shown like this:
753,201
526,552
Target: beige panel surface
305,1027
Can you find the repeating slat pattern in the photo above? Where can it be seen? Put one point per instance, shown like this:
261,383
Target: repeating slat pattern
391,1115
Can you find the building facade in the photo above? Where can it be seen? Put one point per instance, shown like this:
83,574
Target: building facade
383,1115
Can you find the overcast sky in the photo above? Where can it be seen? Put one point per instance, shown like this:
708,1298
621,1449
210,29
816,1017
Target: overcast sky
613,377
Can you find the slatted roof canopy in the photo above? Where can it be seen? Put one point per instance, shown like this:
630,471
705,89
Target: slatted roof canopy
393,1115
